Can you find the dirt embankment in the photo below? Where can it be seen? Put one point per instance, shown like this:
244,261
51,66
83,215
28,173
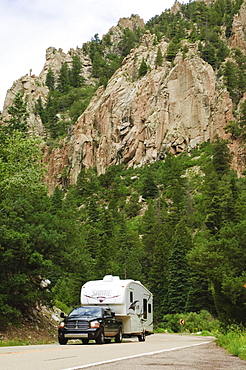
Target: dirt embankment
40,327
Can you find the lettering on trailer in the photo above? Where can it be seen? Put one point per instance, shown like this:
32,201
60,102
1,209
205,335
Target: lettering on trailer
101,295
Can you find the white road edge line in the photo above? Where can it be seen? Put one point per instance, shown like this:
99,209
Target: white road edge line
139,355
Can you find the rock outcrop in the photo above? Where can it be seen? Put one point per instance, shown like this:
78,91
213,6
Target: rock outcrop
32,88
238,39
138,120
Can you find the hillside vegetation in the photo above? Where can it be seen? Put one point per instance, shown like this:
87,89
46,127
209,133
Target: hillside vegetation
178,225
208,25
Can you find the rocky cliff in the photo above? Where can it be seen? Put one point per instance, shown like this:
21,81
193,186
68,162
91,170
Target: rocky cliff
137,120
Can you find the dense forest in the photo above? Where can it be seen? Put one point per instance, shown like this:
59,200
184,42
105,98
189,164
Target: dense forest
178,225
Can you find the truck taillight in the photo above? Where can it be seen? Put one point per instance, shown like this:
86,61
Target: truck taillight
94,324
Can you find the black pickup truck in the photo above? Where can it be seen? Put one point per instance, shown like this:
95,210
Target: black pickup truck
90,322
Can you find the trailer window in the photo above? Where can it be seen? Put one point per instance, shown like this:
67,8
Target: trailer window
149,308
145,308
131,297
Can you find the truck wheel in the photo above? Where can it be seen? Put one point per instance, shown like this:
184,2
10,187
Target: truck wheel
85,340
141,337
118,337
100,338
62,340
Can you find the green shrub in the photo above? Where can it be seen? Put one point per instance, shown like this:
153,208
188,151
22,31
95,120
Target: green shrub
194,322
14,342
234,342
62,306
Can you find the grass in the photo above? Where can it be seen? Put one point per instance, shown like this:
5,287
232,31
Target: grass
232,338
234,342
23,342
14,342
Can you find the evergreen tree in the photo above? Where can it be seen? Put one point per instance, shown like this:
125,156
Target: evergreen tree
230,78
76,79
159,57
173,48
200,295
143,69
149,187
129,254
221,157
148,229
40,110
63,79
209,54
158,268
18,114
132,207
49,116
56,200
50,80
179,272
178,277
24,253
93,241
127,43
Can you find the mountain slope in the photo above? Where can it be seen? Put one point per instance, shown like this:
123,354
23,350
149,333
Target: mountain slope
171,92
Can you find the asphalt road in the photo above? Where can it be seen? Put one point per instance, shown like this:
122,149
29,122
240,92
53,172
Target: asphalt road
169,351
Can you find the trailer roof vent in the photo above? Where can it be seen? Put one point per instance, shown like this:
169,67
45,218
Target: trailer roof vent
110,278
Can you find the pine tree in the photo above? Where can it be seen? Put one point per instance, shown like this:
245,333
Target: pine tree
18,113
143,69
178,278
172,50
40,110
50,80
49,118
200,293
159,58
179,272
63,79
76,79
221,157
127,43
149,188
56,200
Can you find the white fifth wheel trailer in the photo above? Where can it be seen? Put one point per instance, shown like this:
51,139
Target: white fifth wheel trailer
129,299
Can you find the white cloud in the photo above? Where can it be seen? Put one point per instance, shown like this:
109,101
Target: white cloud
29,27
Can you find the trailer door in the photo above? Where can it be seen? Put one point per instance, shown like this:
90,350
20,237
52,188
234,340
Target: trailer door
147,317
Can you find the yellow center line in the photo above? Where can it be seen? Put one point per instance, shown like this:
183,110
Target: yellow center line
32,351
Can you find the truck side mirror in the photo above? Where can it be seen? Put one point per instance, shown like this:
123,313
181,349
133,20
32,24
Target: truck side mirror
62,315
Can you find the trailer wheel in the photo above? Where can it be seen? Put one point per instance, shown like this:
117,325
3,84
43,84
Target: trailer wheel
118,337
62,340
100,338
141,337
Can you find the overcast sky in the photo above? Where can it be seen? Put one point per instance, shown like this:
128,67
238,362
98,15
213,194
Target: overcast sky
29,27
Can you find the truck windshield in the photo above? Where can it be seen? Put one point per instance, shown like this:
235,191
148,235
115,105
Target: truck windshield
86,312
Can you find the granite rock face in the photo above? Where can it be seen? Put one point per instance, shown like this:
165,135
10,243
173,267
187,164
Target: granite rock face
238,39
137,120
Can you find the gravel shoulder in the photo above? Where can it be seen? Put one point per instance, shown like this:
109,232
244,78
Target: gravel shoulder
203,357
